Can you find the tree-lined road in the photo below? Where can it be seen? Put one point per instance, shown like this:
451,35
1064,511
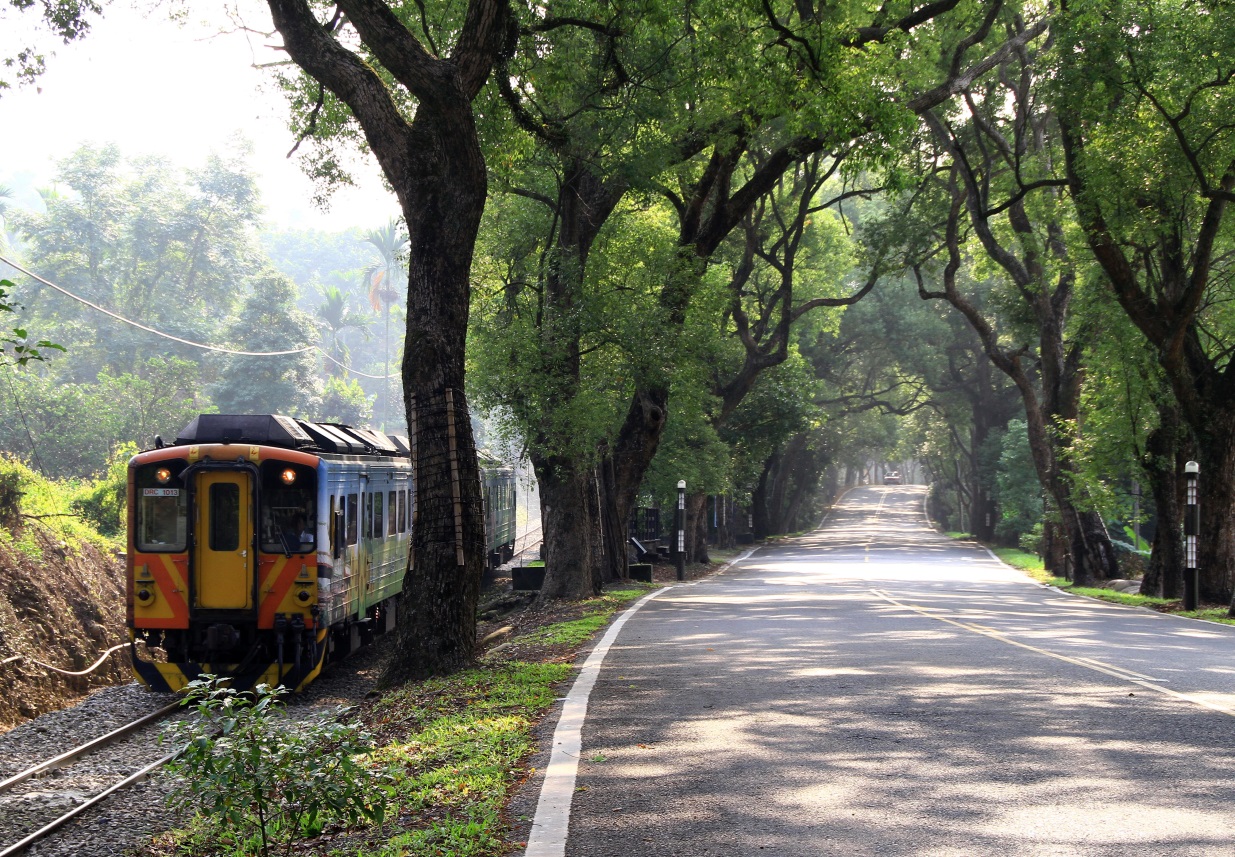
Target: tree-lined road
874,688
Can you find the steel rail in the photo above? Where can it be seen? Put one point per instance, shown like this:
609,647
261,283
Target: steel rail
18,847
85,749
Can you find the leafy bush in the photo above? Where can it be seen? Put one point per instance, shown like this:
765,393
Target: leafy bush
27,497
1031,542
102,501
10,498
263,779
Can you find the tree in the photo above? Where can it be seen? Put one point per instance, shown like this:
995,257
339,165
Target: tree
72,429
337,317
269,322
67,20
411,96
382,277
998,157
724,82
344,401
1143,90
15,346
162,247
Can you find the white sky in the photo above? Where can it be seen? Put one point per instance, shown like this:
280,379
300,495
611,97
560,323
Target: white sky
153,87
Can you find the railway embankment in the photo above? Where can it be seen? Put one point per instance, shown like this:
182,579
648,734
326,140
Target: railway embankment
61,599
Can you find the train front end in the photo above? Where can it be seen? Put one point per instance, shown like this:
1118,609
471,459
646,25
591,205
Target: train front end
222,564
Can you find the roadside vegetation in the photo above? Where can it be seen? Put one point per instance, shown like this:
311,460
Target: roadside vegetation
1033,567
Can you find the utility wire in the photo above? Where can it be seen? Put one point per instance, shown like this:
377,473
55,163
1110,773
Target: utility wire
34,449
189,342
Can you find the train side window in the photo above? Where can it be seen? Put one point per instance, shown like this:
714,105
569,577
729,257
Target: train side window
353,512
392,523
403,511
368,515
377,515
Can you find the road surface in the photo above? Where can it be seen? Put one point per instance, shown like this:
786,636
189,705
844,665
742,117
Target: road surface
874,688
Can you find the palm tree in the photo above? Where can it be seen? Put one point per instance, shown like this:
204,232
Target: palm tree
336,317
383,277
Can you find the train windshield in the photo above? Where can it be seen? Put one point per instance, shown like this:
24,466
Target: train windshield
289,513
162,507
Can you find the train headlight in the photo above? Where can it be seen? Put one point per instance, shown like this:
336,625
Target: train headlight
288,476
163,475
145,596
303,596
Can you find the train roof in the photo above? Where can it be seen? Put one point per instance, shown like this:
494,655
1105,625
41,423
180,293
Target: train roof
290,433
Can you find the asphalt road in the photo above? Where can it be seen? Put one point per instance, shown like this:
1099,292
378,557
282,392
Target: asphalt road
874,688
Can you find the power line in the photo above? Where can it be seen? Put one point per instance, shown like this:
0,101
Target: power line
16,401
189,342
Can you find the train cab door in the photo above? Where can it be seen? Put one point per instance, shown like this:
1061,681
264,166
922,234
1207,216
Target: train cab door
224,543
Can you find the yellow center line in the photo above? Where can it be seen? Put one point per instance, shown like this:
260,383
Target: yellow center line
1087,663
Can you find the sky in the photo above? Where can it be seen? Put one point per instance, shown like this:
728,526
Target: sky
154,87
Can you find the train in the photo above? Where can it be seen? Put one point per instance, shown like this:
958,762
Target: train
262,546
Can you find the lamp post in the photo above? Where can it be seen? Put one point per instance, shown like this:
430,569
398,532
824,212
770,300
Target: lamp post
1192,528
681,527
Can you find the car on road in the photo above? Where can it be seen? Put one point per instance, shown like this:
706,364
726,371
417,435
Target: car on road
892,477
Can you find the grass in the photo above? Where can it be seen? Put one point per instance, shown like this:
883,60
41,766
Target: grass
1025,561
953,534
1209,614
456,752
598,610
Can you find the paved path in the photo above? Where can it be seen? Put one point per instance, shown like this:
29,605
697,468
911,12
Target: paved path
876,689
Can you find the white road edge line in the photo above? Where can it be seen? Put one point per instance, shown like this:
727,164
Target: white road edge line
552,821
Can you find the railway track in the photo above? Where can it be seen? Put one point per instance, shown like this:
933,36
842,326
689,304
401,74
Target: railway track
85,776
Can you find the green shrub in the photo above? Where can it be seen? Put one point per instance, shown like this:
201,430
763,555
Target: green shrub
1031,541
102,501
10,498
262,779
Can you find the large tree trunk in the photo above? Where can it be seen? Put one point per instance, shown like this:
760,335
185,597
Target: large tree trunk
437,170
566,502
624,466
697,528
443,202
1216,487
1163,289
760,512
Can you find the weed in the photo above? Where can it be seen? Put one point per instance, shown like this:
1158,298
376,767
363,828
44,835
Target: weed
459,746
263,779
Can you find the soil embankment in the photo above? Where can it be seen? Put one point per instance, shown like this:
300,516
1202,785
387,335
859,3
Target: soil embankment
61,605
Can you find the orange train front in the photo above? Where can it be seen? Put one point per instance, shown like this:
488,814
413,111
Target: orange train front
261,545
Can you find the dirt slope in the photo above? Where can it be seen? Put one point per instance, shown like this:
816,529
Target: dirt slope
61,604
